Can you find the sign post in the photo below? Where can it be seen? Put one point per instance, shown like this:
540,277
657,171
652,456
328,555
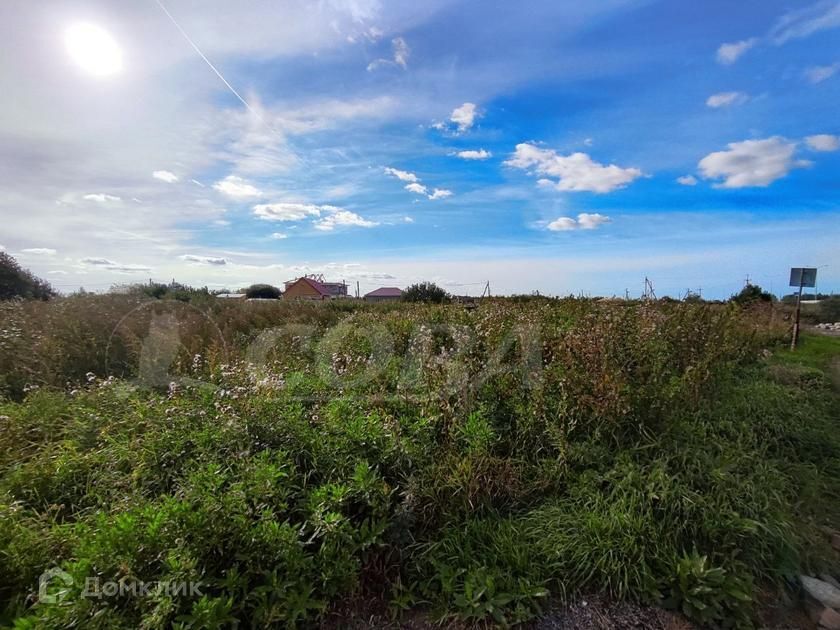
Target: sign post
800,277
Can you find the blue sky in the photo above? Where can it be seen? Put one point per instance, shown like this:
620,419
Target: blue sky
552,146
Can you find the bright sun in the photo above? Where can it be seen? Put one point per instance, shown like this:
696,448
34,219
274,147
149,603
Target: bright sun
93,49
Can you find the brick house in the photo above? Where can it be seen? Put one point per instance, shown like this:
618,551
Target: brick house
384,294
313,288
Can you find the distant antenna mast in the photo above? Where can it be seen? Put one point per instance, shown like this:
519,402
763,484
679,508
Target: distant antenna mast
486,291
649,292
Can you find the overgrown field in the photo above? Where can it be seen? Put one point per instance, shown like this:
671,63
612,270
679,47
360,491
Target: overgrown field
304,463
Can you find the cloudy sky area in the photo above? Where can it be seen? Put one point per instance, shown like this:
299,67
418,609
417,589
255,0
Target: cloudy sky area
550,145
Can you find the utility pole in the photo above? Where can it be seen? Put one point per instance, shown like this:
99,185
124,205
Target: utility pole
486,290
357,289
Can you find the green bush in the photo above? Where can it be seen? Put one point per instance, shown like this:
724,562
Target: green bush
426,292
263,292
829,309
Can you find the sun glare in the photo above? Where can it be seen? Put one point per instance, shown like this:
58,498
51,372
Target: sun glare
93,49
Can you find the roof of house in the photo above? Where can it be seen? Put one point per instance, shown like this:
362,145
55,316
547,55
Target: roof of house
385,292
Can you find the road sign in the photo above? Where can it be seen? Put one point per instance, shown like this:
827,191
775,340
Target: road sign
800,277
803,277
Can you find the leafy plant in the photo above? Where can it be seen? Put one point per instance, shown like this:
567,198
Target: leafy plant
710,594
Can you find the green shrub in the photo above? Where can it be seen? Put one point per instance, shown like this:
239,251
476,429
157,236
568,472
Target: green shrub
829,309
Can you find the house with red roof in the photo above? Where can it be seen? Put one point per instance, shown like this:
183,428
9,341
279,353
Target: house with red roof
314,287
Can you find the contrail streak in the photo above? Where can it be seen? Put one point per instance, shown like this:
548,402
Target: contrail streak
208,62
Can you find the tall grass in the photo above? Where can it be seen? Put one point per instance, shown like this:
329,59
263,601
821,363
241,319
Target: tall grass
306,458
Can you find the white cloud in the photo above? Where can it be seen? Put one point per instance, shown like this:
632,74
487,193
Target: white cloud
330,216
221,223
165,176
823,142
464,116
480,154
101,197
401,53
197,183
563,224
110,265
104,262
419,189
728,53
39,251
801,23
284,211
414,185
129,268
798,24
575,172
818,74
687,180
203,260
588,221
751,162
257,139
585,221
408,220
342,218
324,114
235,186
440,193
279,236
403,176
725,99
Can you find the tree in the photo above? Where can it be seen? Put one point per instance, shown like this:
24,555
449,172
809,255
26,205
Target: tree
426,292
263,291
752,293
17,282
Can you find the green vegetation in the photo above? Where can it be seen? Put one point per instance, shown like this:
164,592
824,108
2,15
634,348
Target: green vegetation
427,292
160,291
17,282
816,357
829,309
303,460
263,291
752,293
